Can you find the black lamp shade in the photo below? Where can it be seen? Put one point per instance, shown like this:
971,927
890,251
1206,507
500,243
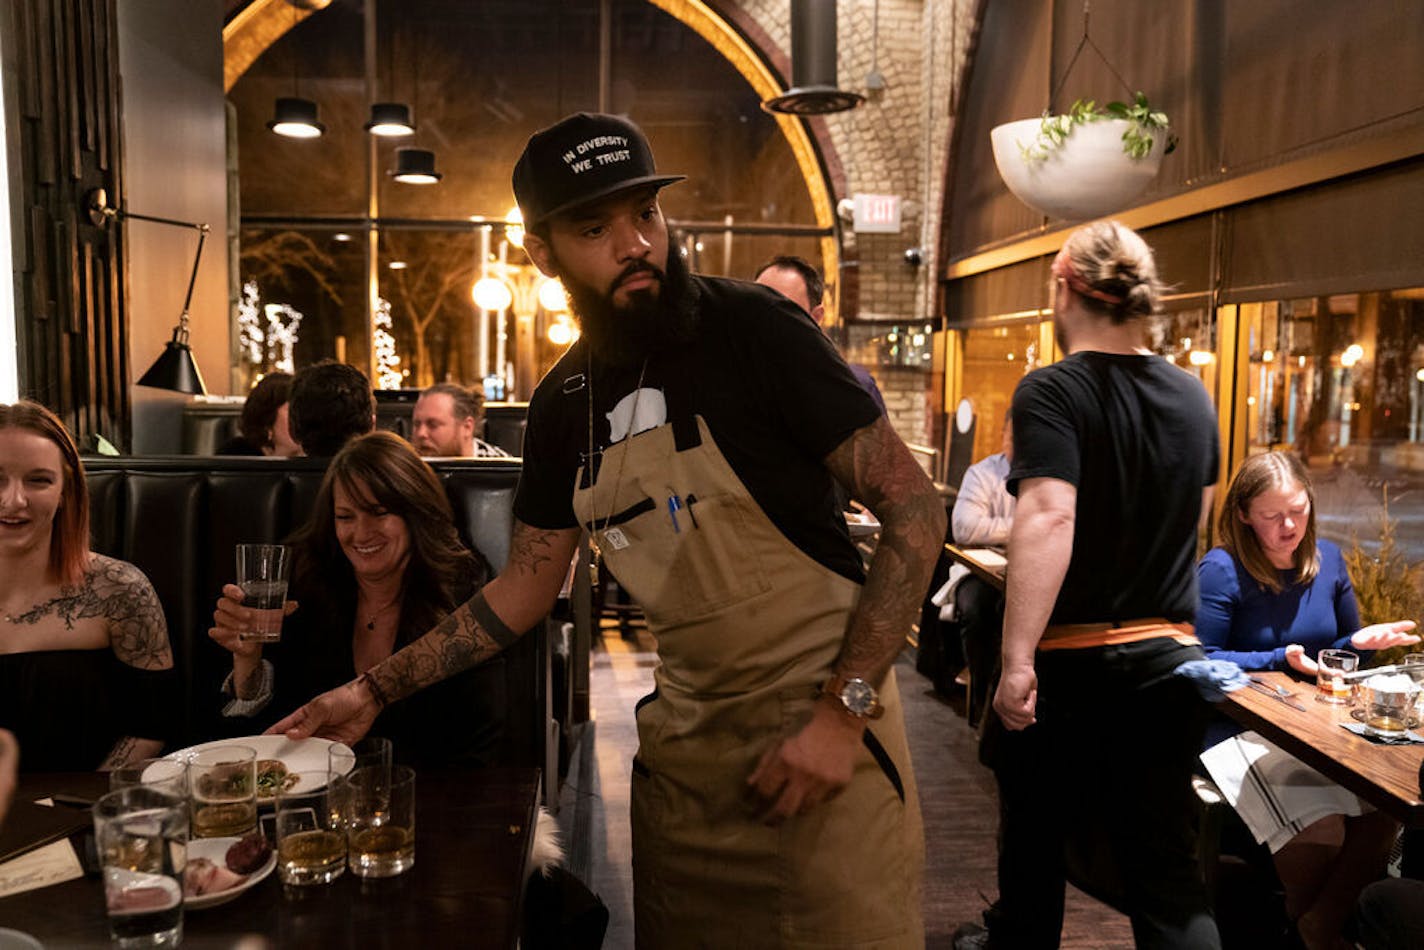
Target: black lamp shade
296,118
415,166
175,370
390,119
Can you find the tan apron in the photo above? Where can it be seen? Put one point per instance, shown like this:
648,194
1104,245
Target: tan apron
747,628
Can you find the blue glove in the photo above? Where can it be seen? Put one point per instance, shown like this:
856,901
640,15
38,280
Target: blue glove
1214,678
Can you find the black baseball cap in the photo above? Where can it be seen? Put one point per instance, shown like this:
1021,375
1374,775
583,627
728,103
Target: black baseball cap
584,157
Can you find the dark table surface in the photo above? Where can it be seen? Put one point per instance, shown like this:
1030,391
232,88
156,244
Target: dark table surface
474,831
1386,776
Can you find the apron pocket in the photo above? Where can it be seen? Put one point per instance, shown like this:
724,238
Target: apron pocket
882,759
715,562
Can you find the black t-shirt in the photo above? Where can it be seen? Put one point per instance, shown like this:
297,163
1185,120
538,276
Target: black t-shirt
775,394
1137,437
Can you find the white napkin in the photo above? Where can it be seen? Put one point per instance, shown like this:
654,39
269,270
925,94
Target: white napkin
944,597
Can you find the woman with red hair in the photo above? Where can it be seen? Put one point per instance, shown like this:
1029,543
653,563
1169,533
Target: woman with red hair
84,656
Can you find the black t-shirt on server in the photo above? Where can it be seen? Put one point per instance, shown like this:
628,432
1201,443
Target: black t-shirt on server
775,394
1137,437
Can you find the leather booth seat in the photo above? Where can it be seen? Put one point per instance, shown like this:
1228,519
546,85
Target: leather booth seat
179,518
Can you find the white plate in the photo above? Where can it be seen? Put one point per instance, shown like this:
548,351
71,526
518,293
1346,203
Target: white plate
308,755
861,524
215,850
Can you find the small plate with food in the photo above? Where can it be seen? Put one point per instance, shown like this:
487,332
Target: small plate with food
278,759
220,869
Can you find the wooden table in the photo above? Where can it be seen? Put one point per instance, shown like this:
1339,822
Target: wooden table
1387,776
989,569
474,830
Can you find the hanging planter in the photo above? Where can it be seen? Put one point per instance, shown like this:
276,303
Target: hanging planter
1086,163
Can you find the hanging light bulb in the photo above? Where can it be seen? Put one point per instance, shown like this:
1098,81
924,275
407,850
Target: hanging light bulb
415,166
390,120
552,297
514,227
491,293
296,118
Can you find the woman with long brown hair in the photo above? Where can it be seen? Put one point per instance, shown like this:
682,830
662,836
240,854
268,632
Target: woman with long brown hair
85,665
378,563
1273,595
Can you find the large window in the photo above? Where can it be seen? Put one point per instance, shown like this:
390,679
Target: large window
1340,381
996,357
482,77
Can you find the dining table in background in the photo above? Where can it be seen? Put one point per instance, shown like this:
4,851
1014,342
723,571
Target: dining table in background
474,833
987,564
1386,776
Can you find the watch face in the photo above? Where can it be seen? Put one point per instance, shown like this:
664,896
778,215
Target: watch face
858,696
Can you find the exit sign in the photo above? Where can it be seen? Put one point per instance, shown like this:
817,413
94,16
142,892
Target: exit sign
877,214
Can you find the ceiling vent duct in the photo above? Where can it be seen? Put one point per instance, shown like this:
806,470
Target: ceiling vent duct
813,64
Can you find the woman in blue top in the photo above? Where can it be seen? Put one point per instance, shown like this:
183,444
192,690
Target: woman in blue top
1272,597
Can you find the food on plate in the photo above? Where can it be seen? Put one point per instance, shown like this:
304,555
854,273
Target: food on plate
272,777
248,854
202,876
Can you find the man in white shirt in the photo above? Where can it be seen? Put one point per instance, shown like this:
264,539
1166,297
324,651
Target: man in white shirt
444,423
984,510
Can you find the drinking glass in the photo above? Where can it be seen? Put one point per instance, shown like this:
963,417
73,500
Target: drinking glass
1331,685
262,575
381,823
223,783
1387,712
141,835
168,775
364,753
1413,664
311,828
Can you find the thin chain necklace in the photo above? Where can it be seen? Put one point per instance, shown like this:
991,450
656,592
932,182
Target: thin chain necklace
595,549
372,618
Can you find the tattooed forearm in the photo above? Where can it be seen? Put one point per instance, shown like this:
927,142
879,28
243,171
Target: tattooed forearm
875,465
457,643
119,593
531,549
119,754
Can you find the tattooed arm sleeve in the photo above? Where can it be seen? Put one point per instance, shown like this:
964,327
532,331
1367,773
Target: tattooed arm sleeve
518,598
878,469
120,593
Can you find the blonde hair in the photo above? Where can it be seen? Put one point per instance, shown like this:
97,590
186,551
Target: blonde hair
1112,270
1257,475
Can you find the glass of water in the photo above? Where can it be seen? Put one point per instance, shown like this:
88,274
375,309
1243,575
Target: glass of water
141,834
262,574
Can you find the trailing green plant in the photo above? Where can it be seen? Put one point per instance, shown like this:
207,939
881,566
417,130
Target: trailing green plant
1387,586
1144,124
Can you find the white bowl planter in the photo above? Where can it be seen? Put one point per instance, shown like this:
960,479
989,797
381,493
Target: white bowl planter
1088,176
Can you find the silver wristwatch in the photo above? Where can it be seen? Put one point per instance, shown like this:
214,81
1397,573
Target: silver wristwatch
859,698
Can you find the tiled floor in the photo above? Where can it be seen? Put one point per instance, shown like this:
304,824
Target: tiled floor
956,794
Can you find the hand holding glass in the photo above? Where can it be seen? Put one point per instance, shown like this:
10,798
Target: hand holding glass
262,575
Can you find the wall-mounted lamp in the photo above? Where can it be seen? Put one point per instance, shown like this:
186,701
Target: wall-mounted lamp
174,369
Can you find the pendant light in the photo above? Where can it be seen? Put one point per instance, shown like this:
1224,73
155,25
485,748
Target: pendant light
415,166
293,116
390,120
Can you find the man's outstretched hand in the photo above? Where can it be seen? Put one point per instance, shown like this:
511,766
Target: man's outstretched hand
344,714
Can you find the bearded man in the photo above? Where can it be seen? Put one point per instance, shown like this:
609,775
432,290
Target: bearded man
695,431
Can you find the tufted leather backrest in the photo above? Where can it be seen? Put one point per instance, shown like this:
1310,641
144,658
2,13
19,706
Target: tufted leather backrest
179,518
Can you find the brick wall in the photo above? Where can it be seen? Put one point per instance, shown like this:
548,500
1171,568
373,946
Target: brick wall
895,143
